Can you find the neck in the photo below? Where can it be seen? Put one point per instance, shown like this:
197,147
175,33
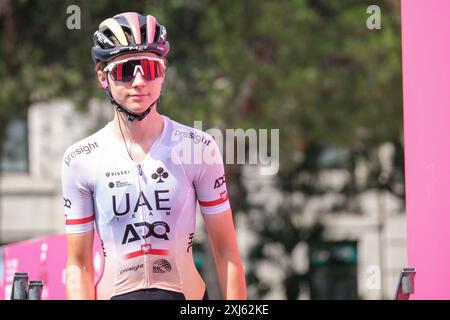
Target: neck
146,130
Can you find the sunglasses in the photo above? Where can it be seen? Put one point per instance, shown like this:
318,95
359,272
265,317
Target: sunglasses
125,70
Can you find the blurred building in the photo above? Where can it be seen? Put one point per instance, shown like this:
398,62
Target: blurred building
362,251
365,244
30,187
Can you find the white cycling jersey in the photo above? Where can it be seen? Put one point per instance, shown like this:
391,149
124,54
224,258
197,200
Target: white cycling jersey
144,213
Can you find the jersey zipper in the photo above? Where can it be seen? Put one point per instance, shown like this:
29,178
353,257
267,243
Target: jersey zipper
147,272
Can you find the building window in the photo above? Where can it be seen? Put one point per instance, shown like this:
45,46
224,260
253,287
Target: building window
14,148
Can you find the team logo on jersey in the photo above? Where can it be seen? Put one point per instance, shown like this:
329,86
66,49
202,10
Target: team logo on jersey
161,266
116,173
86,149
160,173
157,199
67,203
119,184
133,268
191,241
219,181
158,229
197,138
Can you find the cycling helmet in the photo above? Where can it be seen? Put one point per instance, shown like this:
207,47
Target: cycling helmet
133,32
124,33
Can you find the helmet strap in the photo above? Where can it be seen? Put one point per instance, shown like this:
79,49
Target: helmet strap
131,116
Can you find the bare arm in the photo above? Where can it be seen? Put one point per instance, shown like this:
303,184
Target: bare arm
79,268
222,236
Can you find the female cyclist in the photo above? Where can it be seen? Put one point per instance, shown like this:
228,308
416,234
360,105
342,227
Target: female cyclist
133,181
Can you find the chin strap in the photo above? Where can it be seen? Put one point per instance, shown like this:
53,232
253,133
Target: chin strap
130,115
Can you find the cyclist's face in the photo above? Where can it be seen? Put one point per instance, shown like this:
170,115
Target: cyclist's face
138,94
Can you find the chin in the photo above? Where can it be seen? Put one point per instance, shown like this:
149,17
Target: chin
139,107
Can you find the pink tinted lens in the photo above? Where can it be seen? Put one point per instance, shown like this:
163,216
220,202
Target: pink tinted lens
125,72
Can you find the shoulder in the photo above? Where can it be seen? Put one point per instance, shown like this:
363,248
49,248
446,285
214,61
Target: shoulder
194,149
85,149
180,133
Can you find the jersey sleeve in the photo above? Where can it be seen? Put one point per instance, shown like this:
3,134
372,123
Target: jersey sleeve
77,198
209,183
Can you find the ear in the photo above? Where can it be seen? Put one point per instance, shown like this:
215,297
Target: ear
104,84
102,78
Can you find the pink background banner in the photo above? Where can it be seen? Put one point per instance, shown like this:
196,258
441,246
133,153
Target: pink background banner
43,259
426,94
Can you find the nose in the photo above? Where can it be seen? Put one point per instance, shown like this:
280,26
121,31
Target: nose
139,80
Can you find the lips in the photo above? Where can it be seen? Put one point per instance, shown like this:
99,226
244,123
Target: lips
138,95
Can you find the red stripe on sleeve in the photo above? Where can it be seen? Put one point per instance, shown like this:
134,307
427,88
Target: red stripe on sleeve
79,221
214,202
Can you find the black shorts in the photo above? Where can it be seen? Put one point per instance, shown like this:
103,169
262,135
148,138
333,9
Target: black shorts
154,294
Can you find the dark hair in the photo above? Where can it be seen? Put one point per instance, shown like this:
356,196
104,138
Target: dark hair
100,66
